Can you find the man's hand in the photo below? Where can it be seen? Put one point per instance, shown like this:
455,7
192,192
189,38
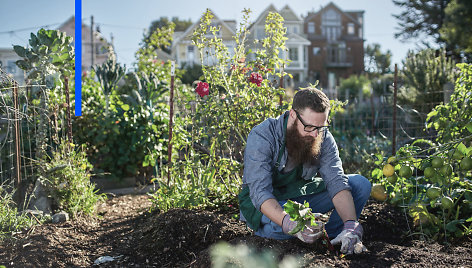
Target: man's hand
308,235
350,238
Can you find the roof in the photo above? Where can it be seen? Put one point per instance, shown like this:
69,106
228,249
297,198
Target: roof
97,34
190,29
296,38
287,13
332,5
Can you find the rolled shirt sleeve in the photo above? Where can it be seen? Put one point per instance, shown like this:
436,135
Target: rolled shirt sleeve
331,168
258,162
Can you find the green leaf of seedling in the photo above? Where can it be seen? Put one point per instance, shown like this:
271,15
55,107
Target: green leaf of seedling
300,226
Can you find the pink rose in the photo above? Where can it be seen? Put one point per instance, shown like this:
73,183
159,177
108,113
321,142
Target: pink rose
202,89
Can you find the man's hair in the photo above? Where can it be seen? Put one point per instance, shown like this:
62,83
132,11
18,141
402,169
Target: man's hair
311,98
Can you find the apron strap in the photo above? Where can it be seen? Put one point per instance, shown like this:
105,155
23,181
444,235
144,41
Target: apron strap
282,148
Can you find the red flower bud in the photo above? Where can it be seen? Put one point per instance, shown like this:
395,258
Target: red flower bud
202,89
256,78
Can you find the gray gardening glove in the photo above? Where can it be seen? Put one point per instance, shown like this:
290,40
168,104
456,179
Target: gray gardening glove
308,235
350,238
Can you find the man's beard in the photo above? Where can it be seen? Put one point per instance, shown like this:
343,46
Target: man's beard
302,149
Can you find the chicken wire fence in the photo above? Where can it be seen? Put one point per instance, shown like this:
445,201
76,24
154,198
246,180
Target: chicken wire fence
376,116
29,127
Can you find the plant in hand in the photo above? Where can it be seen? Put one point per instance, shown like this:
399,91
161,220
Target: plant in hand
301,213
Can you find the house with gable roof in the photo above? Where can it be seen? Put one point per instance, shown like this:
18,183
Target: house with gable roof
297,44
337,45
186,53
101,47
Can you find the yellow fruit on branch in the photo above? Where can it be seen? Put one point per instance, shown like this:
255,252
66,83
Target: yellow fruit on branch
388,170
378,192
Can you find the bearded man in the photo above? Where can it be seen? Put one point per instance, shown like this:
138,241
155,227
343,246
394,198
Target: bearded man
282,160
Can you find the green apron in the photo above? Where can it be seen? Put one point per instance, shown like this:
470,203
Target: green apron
285,186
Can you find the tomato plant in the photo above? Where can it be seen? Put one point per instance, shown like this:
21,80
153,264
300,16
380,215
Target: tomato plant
435,183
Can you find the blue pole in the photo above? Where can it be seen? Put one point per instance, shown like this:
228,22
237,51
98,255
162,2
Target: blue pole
78,57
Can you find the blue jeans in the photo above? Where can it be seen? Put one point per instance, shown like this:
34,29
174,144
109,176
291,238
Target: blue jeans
321,203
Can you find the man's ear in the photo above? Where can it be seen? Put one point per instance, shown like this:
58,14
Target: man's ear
292,113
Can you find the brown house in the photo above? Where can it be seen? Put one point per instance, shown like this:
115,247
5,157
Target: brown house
337,45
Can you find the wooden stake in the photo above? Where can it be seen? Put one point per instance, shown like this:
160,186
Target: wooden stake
171,115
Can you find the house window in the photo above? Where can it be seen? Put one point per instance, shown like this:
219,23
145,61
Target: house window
293,54
360,33
350,28
316,51
190,54
295,29
311,27
331,24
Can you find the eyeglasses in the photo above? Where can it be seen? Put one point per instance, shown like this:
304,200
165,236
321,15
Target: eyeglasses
310,128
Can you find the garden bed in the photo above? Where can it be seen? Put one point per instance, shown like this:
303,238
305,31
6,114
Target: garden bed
132,236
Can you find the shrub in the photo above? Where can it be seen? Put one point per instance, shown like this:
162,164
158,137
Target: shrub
67,176
10,220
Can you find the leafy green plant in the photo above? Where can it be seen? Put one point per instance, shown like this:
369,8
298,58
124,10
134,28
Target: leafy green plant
199,180
433,178
303,216
48,60
10,220
226,255
109,74
67,176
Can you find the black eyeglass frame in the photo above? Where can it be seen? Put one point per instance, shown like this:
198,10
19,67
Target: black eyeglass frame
311,128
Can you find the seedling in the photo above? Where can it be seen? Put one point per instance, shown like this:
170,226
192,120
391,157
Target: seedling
301,213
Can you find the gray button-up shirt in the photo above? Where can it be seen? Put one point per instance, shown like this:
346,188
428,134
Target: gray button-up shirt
262,149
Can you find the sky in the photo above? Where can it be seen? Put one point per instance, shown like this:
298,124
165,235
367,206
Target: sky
127,20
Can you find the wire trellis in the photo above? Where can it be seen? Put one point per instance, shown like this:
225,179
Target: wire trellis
41,126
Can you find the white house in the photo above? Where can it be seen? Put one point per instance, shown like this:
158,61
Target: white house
297,44
99,43
186,53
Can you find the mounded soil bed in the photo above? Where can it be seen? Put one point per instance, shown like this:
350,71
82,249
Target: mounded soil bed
133,237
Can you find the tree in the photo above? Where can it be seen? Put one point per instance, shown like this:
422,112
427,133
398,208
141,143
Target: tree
180,25
376,62
354,86
425,75
421,17
457,29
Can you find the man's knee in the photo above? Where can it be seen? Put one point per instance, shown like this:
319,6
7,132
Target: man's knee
360,185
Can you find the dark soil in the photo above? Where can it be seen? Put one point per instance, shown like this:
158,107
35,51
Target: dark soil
182,238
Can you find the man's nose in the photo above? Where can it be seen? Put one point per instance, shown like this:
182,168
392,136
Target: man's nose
314,133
